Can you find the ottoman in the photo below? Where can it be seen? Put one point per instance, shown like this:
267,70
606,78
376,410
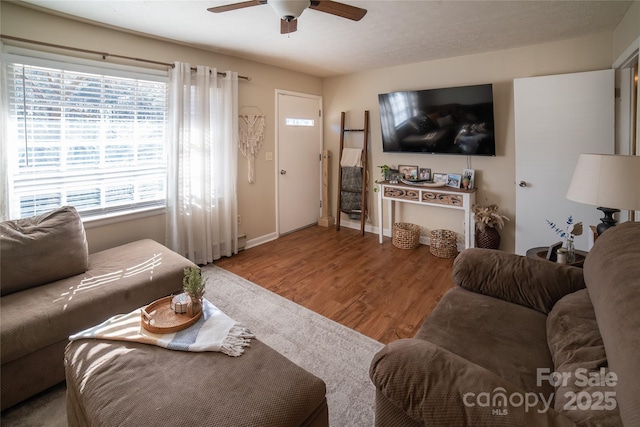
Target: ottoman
113,383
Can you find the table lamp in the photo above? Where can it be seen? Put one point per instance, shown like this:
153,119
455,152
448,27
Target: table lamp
611,182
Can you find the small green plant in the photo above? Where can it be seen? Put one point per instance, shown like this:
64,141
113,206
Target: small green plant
193,283
384,170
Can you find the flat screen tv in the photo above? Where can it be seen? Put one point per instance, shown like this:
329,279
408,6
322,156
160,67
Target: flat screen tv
457,120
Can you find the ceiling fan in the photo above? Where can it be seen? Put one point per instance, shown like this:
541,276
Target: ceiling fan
290,10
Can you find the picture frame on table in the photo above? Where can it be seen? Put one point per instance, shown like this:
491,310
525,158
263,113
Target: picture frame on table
424,174
552,252
454,180
409,172
468,179
395,177
440,177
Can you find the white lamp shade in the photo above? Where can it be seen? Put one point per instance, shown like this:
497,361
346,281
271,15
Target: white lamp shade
606,180
289,8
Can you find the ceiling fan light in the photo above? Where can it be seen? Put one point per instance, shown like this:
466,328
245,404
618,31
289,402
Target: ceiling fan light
289,9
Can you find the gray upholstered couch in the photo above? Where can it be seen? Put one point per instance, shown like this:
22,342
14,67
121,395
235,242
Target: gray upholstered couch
522,342
52,287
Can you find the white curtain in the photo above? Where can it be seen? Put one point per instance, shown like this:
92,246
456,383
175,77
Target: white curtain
202,207
4,143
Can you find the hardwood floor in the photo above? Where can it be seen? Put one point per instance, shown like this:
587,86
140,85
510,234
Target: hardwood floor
379,290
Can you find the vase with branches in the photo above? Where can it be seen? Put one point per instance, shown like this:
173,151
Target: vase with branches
569,233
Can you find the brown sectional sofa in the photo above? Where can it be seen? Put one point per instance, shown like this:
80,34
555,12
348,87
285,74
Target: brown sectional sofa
523,342
52,287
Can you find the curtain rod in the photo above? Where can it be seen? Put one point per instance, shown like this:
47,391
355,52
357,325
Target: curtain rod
103,54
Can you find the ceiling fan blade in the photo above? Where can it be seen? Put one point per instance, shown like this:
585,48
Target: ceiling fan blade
234,6
338,9
287,27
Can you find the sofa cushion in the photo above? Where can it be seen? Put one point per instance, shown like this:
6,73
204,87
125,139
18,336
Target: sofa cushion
579,356
42,249
530,282
435,387
112,383
612,276
119,280
480,329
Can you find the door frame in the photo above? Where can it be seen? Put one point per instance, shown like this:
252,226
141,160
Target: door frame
277,148
627,112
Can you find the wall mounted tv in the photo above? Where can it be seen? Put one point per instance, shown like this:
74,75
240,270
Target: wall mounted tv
457,120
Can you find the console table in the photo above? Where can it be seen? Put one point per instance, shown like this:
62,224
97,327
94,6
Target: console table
442,197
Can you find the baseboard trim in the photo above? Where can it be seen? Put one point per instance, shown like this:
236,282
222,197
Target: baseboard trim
260,240
355,225
348,223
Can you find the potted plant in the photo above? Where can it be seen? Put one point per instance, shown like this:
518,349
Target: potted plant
487,219
384,170
193,285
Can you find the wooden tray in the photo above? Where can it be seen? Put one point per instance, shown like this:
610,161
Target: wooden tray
159,318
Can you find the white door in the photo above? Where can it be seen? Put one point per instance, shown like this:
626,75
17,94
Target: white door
299,140
557,118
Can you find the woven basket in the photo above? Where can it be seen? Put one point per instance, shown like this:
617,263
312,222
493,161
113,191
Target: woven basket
443,243
405,235
489,238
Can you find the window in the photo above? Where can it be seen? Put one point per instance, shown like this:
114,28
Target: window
299,122
89,137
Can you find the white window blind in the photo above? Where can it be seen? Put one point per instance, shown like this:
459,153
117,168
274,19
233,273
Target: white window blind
93,140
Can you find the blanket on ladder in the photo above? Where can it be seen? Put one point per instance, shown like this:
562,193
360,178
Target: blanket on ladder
214,331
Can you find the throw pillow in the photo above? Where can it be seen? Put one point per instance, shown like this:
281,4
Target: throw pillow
42,249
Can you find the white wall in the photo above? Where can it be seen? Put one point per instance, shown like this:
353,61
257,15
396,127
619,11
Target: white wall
495,176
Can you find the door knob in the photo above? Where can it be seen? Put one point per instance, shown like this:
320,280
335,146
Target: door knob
283,172
522,184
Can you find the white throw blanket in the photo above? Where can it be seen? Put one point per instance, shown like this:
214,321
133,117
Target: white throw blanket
214,331
351,157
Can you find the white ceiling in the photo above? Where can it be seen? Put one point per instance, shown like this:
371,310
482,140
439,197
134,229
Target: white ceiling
392,33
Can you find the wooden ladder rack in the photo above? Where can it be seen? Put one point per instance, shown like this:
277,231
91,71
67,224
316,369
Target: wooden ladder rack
363,212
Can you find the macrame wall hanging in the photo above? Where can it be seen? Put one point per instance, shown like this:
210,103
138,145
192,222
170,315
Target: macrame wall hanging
251,136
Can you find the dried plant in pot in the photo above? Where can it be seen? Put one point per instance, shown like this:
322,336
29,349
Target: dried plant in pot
193,285
487,219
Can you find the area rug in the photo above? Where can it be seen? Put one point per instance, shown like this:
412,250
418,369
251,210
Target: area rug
335,353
